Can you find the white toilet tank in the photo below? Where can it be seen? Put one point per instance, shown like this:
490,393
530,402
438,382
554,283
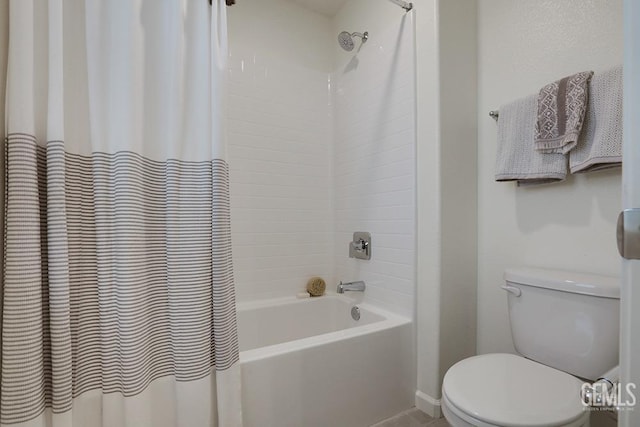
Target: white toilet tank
565,320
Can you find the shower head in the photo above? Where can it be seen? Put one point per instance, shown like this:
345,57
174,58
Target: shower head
345,39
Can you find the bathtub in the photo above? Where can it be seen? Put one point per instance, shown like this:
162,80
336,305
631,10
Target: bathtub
307,363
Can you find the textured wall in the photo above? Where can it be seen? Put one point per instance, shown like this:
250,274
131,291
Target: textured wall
522,46
279,147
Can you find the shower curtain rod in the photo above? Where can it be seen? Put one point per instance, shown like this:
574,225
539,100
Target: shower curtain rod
403,4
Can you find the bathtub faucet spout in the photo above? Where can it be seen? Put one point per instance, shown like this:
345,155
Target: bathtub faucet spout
351,286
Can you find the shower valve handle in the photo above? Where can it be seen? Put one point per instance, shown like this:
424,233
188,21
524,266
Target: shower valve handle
360,245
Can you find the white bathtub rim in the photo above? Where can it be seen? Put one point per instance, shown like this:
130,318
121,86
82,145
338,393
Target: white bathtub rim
391,320
270,302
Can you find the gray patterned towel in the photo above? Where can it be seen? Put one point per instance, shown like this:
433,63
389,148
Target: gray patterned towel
561,109
516,160
600,143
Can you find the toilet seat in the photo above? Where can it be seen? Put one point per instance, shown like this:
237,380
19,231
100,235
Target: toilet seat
509,390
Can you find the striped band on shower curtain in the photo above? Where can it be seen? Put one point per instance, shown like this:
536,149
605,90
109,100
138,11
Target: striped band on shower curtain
119,305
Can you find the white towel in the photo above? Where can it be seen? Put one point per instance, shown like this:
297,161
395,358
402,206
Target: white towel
600,143
516,158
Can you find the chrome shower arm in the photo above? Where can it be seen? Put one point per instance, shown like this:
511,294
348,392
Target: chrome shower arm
403,4
364,36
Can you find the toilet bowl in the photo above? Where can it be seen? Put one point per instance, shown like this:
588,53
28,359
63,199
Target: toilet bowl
509,390
565,327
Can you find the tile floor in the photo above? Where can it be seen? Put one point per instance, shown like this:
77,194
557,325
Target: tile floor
413,418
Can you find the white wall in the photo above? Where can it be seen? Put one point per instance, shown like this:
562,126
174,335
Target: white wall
522,45
458,189
374,151
279,141
447,207
428,205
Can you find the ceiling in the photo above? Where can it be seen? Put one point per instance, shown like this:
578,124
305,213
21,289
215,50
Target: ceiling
325,7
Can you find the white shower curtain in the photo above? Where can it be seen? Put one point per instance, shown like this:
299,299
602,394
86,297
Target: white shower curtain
119,306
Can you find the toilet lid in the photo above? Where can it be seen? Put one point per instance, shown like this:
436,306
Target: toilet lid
509,390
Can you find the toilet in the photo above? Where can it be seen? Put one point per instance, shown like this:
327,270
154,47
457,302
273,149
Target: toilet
565,328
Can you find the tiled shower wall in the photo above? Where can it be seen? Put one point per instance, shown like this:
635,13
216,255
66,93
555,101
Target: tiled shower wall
279,137
321,144
374,156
